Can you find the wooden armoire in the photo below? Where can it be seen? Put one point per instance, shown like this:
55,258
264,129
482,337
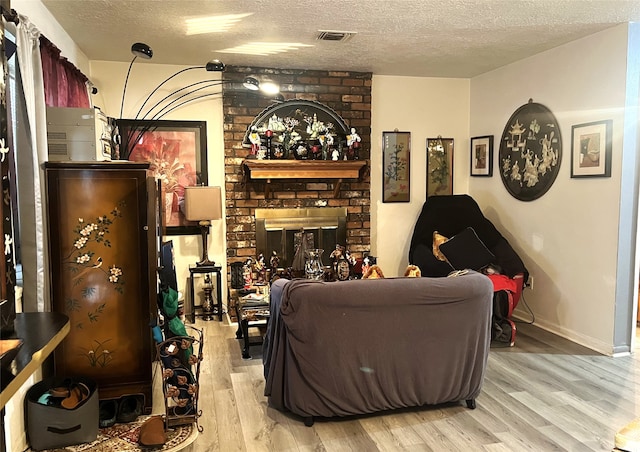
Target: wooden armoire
103,261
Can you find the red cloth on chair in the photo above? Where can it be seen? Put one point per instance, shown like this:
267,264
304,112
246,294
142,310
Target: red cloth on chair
503,282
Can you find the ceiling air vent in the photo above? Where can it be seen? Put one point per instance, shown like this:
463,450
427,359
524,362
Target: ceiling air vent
330,35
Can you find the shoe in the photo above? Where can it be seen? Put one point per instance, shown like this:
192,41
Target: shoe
78,393
129,409
108,412
64,390
152,432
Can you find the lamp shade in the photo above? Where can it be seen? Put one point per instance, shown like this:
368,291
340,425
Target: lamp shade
202,203
251,83
142,50
215,66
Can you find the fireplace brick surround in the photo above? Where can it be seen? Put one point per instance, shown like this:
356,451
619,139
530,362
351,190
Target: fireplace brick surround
349,94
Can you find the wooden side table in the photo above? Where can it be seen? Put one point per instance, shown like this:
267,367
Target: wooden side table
190,307
254,311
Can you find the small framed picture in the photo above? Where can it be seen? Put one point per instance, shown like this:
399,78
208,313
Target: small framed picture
591,149
482,156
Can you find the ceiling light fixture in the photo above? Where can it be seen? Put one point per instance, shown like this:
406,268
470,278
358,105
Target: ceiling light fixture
138,49
176,98
251,83
142,50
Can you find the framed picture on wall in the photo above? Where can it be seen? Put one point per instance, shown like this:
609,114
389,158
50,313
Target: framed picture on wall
482,156
177,152
591,149
439,166
396,152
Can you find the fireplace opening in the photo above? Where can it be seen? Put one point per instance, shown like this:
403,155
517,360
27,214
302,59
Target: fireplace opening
275,230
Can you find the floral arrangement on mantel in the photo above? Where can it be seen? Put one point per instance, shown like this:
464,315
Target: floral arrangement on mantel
302,135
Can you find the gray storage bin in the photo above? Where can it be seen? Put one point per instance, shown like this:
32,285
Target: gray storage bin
49,427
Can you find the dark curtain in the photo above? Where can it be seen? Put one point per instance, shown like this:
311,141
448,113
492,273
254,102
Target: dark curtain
64,84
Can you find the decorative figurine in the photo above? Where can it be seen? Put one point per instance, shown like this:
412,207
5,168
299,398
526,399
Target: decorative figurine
353,142
246,273
413,271
254,138
261,269
374,272
341,266
336,255
350,258
274,262
326,142
269,135
367,263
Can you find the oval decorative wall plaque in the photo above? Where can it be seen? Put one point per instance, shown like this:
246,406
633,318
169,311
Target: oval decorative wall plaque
530,152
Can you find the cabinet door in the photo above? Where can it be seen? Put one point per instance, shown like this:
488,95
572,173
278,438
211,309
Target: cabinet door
100,275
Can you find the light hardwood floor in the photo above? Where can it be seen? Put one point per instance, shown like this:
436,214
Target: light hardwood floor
544,394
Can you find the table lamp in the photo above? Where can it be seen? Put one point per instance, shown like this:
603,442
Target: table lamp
203,204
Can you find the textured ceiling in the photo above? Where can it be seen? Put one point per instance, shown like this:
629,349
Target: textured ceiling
435,38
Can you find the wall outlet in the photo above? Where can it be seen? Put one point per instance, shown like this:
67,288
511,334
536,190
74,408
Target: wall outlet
530,283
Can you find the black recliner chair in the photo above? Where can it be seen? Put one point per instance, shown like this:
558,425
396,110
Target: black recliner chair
449,216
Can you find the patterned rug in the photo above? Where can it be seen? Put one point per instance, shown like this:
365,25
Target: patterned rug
124,437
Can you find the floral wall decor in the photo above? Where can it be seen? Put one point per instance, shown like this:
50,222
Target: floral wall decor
303,130
396,152
439,166
177,153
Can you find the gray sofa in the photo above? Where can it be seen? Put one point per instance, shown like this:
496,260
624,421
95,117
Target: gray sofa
363,346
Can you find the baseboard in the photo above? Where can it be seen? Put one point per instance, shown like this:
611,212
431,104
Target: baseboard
585,341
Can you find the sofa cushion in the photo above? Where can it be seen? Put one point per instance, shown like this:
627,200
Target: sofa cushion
438,239
466,250
430,266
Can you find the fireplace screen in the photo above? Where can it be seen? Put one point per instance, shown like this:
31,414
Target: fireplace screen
275,229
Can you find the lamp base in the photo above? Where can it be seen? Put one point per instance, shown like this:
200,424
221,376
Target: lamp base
205,263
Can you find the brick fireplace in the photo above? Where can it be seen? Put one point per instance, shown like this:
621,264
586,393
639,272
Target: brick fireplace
349,95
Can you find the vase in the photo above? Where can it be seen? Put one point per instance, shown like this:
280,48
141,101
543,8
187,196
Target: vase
313,267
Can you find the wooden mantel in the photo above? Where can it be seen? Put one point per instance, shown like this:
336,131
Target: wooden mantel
303,169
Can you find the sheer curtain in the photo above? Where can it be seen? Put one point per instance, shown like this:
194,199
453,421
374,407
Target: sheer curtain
32,153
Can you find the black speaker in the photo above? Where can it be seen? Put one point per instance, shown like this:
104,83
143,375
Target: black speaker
237,280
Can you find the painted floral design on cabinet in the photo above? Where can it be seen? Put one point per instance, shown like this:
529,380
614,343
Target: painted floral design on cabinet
89,239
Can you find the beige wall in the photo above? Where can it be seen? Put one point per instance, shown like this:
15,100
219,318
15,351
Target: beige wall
426,107
568,238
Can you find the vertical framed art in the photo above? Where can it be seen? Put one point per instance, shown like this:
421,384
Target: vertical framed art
482,156
591,149
439,166
177,152
396,151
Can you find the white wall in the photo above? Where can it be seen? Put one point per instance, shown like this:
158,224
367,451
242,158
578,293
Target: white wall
568,237
426,107
109,77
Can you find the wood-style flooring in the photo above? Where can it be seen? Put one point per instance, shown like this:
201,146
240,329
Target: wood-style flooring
544,394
